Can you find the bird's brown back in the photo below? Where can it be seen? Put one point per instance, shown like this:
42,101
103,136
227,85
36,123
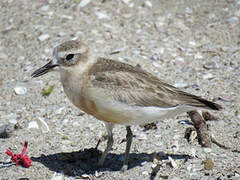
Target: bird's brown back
134,86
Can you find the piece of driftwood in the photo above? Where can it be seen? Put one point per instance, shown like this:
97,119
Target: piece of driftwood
204,138
209,117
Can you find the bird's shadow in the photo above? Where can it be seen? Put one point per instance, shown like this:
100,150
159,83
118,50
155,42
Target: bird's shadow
85,161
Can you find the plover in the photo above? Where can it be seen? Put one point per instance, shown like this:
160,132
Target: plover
117,93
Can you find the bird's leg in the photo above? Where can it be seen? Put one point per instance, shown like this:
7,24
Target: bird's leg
128,146
109,128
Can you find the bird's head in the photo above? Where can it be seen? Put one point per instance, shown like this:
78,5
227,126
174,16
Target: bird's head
65,55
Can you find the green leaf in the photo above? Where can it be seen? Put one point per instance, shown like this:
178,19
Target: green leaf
47,92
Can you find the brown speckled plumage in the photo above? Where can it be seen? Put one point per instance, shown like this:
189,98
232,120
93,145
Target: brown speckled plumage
134,86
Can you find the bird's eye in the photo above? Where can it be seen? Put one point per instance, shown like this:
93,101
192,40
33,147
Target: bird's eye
69,56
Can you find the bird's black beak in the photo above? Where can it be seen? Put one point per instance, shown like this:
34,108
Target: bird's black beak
43,70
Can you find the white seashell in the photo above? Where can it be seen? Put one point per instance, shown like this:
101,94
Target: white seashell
207,150
198,55
208,76
43,37
192,43
211,16
33,125
181,84
179,59
3,56
141,136
60,110
20,90
145,173
43,125
126,1
148,3
67,17
44,8
13,121
102,15
61,34
84,3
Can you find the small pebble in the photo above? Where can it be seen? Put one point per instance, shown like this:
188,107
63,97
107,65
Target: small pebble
188,10
193,136
3,55
208,164
60,110
173,163
211,16
141,136
192,43
126,1
179,59
181,84
66,142
98,174
143,163
145,173
208,76
20,90
198,55
232,19
210,65
44,8
57,176
148,3
43,125
156,64
237,13
43,37
65,121
207,150
237,134
33,125
189,167
102,15
67,17
154,57
61,34
160,50
13,121
65,137
84,3
176,137
6,130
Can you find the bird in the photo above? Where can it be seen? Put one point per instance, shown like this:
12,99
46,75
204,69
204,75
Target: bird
117,93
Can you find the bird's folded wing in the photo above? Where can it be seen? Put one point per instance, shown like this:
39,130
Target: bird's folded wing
134,86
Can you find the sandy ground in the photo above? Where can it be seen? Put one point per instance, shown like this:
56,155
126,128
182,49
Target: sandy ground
194,45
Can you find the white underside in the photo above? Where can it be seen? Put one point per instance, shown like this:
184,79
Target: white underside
137,115
143,115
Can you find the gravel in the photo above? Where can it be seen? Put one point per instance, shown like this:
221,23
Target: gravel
192,44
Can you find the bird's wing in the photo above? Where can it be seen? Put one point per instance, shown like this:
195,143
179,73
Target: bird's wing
134,86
